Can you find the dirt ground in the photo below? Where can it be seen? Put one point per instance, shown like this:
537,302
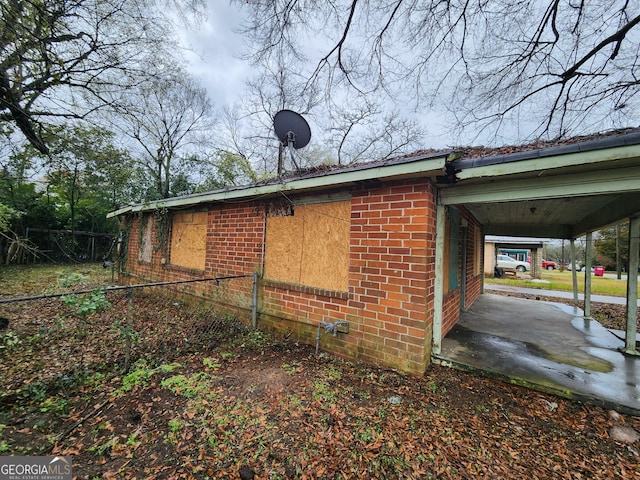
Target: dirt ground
206,397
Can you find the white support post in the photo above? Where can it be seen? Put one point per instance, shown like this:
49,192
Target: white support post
632,287
587,275
438,290
574,273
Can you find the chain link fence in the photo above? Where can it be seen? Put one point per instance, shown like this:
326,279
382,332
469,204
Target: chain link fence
57,342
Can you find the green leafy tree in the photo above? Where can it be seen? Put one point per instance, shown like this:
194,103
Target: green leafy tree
84,177
223,169
605,246
6,215
87,175
20,191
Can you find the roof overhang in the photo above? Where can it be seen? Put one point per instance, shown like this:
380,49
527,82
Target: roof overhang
557,192
427,165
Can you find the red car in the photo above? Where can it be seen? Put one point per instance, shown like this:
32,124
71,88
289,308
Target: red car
549,265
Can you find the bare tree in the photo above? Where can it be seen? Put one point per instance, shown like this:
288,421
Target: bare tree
350,129
166,121
551,67
62,59
363,130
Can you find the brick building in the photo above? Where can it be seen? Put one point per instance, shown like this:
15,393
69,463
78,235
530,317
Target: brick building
391,249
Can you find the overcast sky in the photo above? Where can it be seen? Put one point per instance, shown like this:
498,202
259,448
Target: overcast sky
215,61
215,51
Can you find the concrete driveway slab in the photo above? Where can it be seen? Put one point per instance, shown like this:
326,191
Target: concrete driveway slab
545,346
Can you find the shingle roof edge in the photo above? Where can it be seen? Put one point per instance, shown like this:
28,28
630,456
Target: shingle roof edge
626,139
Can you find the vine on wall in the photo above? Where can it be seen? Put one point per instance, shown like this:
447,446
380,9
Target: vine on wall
163,224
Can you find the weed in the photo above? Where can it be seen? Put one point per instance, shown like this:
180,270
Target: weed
96,379
292,367
133,441
333,373
55,405
175,425
213,441
256,340
9,340
36,392
4,447
432,386
139,376
88,304
100,428
209,363
126,332
142,373
189,387
70,279
324,392
100,450
383,412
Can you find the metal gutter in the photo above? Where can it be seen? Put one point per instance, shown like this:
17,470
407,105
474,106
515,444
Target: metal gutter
617,147
403,167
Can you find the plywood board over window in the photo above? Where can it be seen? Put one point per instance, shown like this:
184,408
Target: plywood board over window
310,247
145,252
189,239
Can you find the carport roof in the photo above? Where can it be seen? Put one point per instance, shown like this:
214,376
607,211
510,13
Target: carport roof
558,191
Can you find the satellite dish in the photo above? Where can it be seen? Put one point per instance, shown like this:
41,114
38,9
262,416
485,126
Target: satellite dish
291,129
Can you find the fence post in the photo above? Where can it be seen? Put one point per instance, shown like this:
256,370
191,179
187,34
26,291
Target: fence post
254,301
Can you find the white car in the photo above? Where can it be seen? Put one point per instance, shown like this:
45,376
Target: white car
505,261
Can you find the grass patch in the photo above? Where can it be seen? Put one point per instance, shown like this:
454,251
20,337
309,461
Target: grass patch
563,281
23,280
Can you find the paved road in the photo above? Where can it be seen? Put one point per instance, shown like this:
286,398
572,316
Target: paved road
555,293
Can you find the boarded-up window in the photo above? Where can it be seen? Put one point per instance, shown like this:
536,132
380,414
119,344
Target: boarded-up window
189,239
310,247
146,246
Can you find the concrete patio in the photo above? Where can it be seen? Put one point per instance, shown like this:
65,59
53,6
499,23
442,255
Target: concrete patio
545,346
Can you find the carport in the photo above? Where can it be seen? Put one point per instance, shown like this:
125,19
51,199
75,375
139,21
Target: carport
549,347
561,191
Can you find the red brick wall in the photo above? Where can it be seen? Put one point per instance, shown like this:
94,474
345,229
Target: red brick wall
392,252
474,282
235,240
389,304
234,247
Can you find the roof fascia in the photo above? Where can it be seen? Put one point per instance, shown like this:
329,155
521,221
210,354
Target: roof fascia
549,162
411,169
589,183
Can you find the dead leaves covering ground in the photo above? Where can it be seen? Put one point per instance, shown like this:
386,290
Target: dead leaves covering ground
198,404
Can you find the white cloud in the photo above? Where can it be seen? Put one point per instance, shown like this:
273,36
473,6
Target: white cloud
214,53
